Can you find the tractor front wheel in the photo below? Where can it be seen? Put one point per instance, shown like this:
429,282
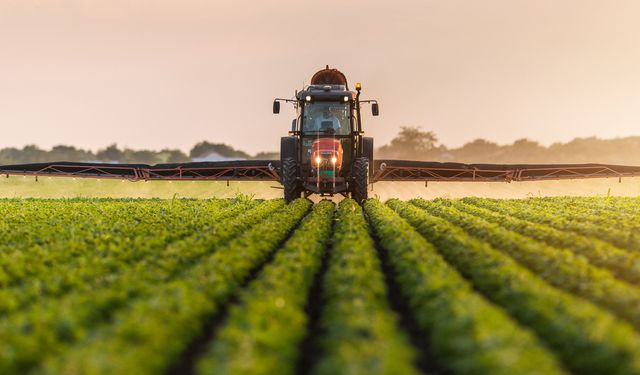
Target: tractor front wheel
290,179
360,179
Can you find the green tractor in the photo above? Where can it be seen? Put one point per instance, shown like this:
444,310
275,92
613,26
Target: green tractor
326,152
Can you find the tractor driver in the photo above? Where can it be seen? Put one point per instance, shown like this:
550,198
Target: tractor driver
327,122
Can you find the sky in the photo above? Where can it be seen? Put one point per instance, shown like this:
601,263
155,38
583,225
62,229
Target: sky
160,73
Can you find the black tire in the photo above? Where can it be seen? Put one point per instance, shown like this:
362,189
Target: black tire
367,148
290,179
367,152
360,180
288,147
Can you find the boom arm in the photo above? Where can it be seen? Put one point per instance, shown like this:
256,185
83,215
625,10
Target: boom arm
268,170
246,170
407,170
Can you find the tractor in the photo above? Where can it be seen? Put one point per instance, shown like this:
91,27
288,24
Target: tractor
325,152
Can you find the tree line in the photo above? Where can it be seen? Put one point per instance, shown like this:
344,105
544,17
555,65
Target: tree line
114,154
411,143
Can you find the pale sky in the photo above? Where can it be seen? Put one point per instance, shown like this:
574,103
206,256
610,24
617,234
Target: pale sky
161,73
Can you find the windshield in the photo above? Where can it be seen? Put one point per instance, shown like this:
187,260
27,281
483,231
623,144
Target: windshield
326,118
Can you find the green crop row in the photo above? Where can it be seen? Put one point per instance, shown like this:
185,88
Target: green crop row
560,268
624,264
521,210
588,339
84,221
590,214
150,334
52,325
70,265
467,334
263,331
29,245
536,286
616,206
133,260
359,331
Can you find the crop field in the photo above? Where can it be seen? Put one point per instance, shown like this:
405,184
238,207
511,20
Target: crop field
251,286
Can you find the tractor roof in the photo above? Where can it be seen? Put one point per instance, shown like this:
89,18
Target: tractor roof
326,92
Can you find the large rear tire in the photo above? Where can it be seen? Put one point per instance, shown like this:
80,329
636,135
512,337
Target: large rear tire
360,181
290,179
367,152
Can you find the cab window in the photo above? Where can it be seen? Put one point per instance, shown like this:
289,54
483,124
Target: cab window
326,118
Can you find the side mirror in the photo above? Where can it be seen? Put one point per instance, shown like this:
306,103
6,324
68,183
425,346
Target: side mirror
276,107
375,110
293,125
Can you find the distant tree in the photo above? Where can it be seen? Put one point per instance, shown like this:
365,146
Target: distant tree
410,143
139,156
69,153
205,148
525,151
11,155
111,153
267,156
33,154
477,151
172,156
481,146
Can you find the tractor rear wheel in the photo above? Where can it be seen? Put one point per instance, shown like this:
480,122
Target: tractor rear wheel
290,179
360,177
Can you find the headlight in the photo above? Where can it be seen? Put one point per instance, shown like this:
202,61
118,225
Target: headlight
318,160
334,160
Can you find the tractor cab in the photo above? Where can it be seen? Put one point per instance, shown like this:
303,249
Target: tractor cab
326,127
325,152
